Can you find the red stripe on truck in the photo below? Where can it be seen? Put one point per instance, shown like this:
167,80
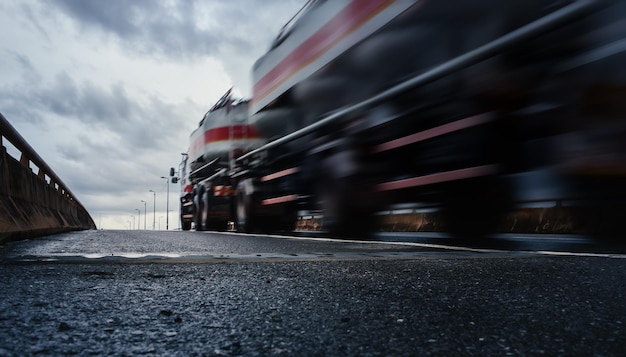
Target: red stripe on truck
446,176
345,22
221,134
224,133
434,132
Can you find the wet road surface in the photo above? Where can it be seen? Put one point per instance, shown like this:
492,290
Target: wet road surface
202,293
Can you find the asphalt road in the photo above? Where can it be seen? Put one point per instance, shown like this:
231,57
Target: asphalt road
201,293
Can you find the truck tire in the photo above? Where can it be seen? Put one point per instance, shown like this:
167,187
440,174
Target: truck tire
343,216
208,220
473,209
284,222
206,205
340,189
247,222
198,209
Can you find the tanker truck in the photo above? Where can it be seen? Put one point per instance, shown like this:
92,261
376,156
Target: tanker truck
464,106
206,185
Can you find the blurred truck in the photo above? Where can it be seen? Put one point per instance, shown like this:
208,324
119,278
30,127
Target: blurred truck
207,188
470,107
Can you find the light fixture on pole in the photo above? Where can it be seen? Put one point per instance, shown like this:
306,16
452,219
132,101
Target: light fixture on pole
154,209
138,217
144,214
167,204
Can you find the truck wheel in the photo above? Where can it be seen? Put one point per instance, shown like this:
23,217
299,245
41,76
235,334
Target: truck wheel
206,209
246,220
288,219
473,209
198,210
285,222
343,216
210,223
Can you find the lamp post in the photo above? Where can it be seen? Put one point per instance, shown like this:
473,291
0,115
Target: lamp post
138,217
144,214
153,209
167,204
133,226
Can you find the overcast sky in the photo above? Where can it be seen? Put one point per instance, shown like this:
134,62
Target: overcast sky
107,92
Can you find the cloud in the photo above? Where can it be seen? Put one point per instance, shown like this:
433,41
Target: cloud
25,63
109,142
184,30
83,102
178,29
107,92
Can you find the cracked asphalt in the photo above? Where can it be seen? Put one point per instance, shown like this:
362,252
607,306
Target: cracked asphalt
209,294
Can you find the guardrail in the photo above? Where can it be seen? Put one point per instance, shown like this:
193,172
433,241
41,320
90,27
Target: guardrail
34,203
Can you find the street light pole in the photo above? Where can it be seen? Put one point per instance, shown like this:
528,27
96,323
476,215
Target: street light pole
167,204
144,214
138,217
133,226
154,209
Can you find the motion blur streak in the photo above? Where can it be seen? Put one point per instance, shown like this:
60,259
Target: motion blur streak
477,109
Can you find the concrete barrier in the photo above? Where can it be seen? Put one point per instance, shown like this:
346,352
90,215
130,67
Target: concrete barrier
34,204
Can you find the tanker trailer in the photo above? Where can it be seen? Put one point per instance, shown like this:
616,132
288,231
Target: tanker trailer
222,135
369,104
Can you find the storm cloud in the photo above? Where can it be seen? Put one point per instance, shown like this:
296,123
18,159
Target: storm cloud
180,29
